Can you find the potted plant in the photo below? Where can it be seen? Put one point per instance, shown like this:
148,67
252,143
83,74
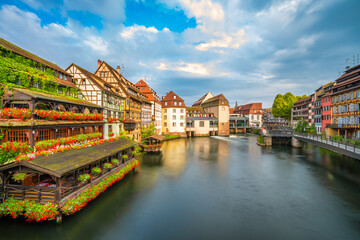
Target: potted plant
108,166
84,178
95,170
124,157
115,162
19,176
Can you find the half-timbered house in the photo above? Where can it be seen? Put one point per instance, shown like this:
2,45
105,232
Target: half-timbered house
99,92
155,103
31,83
132,121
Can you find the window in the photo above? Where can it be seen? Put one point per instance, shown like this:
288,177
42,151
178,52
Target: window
180,103
110,128
174,97
223,108
17,136
182,117
181,110
165,103
165,117
201,124
44,134
174,124
174,110
174,117
181,124
175,103
165,124
62,132
76,131
165,110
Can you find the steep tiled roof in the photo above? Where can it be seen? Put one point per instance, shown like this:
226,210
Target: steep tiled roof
95,79
198,109
29,55
198,102
170,96
216,98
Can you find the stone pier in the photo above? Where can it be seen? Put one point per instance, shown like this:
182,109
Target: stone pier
296,143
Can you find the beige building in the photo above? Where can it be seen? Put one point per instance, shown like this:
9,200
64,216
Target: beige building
173,114
219,106
199,123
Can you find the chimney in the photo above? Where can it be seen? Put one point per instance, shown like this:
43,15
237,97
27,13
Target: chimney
118,69
99,62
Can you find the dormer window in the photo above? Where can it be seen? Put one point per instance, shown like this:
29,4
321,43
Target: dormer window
174,97
175,103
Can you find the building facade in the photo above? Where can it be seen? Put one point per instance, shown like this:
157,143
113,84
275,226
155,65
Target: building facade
133,100
53,91
253,111
326,109
345,101
300,110
199,123
155,104
99,92
173,114
219,105
146,112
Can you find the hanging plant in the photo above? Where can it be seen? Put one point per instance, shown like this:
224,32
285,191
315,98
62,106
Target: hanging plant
108,165
115,162
95,170
84,177
19,176
124,156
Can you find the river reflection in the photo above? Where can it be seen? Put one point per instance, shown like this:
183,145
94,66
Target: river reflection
219,188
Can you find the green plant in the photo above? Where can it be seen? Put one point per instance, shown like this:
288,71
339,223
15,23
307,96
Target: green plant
84,177
19,176
108,165
260,140
95,170
115,162
148,131
124,156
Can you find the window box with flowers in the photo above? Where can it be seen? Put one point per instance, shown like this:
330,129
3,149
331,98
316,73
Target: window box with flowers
111,134
124,157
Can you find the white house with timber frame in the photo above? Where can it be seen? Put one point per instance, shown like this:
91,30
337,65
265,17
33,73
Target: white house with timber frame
97,91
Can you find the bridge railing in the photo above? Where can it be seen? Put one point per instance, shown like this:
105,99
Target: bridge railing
347,144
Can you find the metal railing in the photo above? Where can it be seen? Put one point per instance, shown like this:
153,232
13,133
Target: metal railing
350,145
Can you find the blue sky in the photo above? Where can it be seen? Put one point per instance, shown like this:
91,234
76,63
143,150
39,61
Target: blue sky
248,50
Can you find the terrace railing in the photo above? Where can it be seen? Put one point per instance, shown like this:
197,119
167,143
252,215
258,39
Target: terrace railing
350,145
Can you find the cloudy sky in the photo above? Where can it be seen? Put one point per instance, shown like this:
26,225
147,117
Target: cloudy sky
249,50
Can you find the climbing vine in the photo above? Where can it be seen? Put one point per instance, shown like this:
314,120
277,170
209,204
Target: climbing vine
18,71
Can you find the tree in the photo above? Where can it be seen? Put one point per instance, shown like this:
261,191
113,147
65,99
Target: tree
283,103
304,127
149,131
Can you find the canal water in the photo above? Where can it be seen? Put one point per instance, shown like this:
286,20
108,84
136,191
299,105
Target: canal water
219,188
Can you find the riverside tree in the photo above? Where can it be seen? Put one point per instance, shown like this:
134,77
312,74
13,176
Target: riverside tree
283,103
148,131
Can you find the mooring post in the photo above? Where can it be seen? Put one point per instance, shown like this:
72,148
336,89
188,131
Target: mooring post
59,218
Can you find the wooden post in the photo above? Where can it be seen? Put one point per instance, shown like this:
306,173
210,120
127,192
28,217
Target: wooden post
58,190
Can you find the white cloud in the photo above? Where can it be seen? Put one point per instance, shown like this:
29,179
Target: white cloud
129,32
97,44
227,41
203,8
193,68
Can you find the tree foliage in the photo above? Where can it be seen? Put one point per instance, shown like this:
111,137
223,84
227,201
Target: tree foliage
148,131
304,127
283,103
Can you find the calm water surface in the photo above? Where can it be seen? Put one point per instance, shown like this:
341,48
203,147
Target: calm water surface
219,188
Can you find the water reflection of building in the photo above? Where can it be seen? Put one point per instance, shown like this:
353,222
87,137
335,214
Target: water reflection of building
210,149
174,157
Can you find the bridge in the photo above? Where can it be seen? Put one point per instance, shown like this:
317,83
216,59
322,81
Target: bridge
277,134
344,147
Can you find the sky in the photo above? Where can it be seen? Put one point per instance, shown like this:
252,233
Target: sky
248,50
